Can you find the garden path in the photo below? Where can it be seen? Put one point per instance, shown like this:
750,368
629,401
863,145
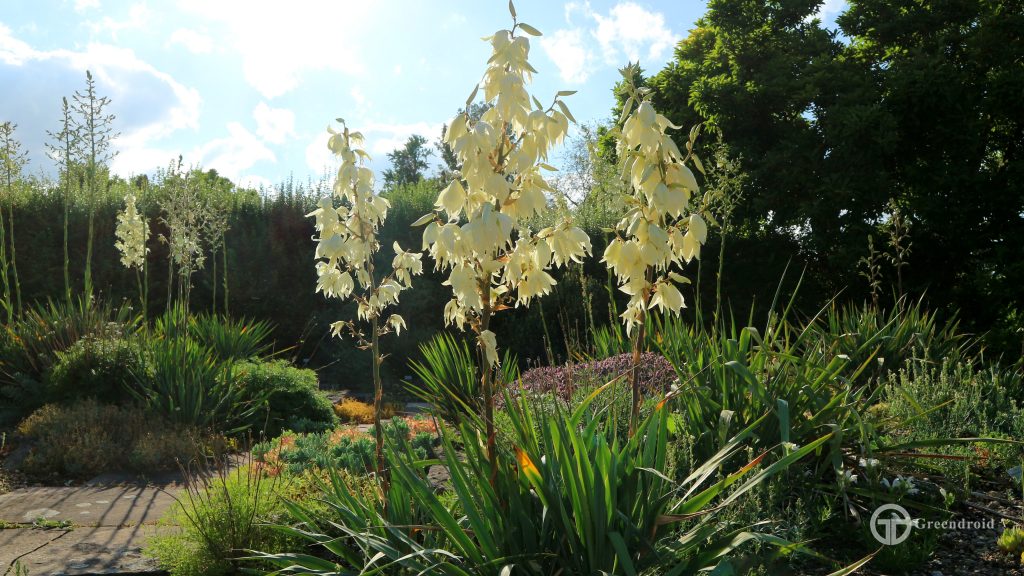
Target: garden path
96,528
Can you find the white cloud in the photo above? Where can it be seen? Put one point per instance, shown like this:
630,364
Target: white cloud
358,96
629,29
278,43
233,155
138,18
318,157
627,32
83,5
274,125
193,41
829,9
567,50
454,21
150,104
383,138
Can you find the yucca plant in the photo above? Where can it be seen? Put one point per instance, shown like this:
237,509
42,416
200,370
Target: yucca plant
232,339
449,378
569,499
189,384
891,337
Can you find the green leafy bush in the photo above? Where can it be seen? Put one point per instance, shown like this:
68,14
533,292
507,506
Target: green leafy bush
293,398
1011,541
927,404
96,367
29,347
88,438
953,400
346,448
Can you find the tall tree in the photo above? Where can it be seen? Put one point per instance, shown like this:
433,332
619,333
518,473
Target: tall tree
408,164
950,76
95,127
918,107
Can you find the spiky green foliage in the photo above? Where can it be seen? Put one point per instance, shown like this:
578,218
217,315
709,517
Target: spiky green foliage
569,499
449,379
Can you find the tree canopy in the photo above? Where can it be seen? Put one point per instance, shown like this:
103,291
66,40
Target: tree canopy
912,105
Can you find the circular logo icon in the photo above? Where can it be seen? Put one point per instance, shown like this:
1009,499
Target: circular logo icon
891,524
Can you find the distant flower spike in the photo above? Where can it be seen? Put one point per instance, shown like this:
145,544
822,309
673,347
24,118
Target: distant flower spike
132,232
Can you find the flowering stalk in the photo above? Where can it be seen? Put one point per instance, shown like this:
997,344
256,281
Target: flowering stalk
12,160
478,231
661,229
344,254
132,232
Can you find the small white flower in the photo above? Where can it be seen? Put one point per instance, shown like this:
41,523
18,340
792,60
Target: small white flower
869,464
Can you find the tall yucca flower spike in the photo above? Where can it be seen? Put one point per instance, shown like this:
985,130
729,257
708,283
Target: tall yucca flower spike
664,228
344,259
132,232
478,233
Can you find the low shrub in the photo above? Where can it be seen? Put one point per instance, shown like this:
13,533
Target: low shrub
346,448
96,367
1011,542
655,373
89,438
956,400
293,398
352,411
953,400
29,346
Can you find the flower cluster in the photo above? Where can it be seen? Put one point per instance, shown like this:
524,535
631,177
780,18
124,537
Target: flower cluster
479,232
662,228
348,238
132,232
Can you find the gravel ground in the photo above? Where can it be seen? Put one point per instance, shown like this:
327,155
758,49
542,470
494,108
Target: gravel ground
973,551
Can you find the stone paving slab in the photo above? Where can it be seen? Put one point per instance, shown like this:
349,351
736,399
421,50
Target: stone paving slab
88,551
17,542
127,505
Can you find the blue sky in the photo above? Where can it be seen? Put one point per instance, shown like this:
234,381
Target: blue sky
248,86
